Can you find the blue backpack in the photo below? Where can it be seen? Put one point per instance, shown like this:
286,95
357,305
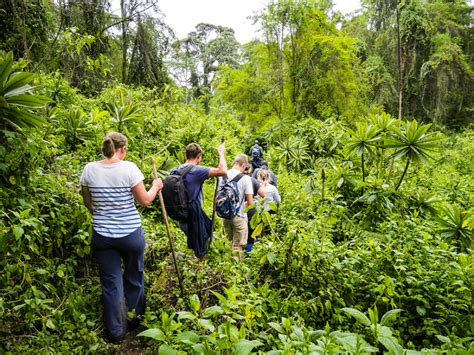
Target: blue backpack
256,153
228,198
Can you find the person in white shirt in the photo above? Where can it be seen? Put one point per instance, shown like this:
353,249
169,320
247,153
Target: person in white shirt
236,229
271,192
109,187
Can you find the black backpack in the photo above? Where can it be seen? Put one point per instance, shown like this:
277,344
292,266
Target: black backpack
175,195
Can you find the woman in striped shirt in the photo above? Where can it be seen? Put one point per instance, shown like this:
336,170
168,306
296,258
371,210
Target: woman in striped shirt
109,187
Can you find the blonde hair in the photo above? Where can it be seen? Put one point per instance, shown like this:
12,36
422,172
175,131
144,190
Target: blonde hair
263,175
112,142
241,160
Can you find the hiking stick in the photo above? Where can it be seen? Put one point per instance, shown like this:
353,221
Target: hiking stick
214,204
165,217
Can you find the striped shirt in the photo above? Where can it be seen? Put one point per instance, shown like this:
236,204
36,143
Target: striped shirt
110,186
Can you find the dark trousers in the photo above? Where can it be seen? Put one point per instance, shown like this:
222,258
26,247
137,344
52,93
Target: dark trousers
120,287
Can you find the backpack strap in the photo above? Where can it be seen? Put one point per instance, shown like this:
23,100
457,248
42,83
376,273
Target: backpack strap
236,180
185,170
237,177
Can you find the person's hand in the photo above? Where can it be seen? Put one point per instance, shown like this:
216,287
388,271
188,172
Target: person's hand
221,149
158,183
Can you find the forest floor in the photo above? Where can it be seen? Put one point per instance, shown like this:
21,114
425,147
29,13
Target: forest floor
131,344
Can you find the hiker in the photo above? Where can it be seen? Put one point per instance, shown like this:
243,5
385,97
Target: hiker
256,152
236,229
109,187
271,192
258,190
264,165
198,228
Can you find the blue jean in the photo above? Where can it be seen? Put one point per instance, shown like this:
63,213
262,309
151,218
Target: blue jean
120,288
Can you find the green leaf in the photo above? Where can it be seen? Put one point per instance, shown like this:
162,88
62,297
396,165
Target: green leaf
27,100
18,91
166,350
212,311
50,324
199,348
207,324
188,337
243,347
18,232
271,257
42,271
361,317
277,327
5,69
389,316
17,80
443,339
186,315
391,344
153,333
421,310
195,303
257,231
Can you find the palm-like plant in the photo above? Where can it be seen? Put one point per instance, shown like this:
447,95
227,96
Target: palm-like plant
76,127
124,115
424,202
16,99
342,177
100,118
411,142
294,152
362,142
383,122
456,223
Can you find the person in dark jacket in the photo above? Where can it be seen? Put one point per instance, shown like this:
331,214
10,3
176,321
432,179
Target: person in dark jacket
256,154
198,227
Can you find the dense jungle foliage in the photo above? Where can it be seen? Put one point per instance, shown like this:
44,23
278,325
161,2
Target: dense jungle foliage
365,119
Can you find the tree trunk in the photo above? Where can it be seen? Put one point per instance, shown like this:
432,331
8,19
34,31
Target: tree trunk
399,65
280,70
363,168
124,26
323,182
403,175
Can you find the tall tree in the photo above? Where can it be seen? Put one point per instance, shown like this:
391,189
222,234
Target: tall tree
84,19
204,52
425,47
25,27
314,68
131,13
147,60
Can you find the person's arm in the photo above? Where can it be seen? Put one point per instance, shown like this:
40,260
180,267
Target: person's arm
248,190
261,191
276,196
249,199
145,197
221,169
86,196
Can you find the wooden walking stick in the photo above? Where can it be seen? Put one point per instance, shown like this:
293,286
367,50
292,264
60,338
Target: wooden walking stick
165,217
214,204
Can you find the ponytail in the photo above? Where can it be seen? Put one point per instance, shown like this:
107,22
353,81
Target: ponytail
263,175
112,142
